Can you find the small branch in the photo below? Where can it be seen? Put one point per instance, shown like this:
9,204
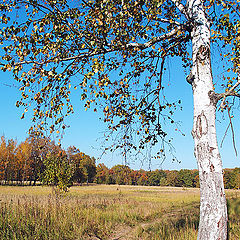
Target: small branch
8,85
163,20
231,92
234,86
79,56
225,134
160,79
233,137
155,40
38,5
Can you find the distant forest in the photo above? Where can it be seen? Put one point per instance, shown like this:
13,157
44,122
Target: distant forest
38,160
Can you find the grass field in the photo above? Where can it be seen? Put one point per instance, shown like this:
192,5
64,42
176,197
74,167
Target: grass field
106,212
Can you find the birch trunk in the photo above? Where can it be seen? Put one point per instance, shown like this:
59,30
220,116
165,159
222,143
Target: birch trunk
213,208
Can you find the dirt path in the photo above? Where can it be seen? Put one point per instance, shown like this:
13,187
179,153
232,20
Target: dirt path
125,232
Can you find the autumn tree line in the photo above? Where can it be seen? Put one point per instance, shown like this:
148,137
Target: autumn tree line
38,160
123,175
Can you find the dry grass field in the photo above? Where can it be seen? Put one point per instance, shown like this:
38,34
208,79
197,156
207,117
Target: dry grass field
106,212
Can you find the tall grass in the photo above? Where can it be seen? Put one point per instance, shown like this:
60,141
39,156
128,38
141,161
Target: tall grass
104,212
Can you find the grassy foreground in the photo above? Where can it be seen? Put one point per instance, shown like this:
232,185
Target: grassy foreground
105,212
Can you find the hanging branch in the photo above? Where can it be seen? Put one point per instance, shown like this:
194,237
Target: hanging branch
233,136
225,134
160,79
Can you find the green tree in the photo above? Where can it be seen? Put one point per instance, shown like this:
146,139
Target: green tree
84,167
195,176
58,171
229,178
58,39
155,177
237,177
121,174
185,178
172,178
89,165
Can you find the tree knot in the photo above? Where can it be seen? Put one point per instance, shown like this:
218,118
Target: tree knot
214,97
203,53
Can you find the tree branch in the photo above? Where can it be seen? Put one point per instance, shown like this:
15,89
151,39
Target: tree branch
233,137
181,8
231,92
110,49
156,39
79,56
163,20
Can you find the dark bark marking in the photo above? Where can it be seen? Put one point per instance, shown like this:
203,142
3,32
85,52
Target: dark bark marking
203,54
201,125
214,97
203,58
193,133
221,193
211,149
212,168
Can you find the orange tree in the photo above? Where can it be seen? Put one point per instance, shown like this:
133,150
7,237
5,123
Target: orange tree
23,156
8,160
101,173
52,45
3,157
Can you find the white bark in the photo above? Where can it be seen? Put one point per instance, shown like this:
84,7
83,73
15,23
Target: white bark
213,208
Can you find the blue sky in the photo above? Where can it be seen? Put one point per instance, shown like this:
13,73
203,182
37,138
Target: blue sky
86,130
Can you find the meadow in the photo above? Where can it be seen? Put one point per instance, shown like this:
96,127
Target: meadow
106,212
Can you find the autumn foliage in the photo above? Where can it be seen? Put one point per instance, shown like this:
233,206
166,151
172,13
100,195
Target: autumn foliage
37,160
123,175
40,160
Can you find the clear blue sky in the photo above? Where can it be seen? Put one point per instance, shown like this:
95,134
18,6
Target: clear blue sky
86,130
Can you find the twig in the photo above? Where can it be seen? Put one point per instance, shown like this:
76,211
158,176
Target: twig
225,134
160,79
233,137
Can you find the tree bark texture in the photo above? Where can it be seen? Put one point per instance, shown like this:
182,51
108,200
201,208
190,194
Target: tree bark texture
213,208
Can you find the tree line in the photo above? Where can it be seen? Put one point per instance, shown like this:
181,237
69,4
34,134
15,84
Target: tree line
40,160
123,175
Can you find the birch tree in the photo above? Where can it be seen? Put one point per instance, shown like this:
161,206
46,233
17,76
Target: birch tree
114,53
